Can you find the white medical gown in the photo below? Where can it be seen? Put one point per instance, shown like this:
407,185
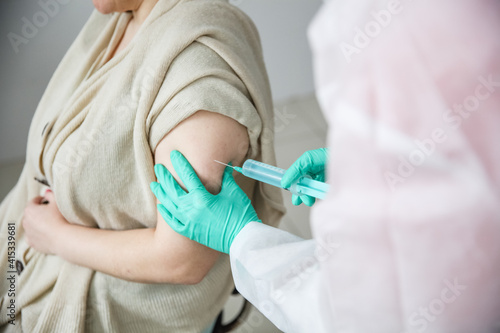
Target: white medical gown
408,240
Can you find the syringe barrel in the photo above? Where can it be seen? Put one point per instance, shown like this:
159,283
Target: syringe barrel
272,175
263,172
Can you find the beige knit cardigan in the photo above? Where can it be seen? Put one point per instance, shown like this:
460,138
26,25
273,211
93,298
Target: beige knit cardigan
92,139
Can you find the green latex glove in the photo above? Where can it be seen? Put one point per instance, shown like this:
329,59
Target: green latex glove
312,163
212,220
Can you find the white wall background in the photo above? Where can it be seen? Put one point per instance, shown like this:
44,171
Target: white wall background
25,74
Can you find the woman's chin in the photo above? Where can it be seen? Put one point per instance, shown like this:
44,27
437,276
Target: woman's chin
103,6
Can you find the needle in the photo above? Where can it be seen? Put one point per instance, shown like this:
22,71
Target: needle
234,168
224,164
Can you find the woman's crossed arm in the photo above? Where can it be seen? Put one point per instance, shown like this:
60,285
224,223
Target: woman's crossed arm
154,255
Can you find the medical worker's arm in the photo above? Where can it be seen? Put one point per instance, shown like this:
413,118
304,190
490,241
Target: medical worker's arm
275,270
279,273
155,255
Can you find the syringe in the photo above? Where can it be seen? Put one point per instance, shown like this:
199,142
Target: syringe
272,175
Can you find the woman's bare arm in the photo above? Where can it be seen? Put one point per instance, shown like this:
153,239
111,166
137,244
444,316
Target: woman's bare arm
160,255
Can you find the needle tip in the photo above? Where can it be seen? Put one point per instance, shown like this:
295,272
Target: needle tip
223,163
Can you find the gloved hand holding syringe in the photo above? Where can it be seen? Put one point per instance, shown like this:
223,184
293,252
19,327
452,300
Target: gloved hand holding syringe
214,220
272,175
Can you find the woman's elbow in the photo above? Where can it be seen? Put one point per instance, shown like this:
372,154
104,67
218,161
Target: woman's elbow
186,273
194,277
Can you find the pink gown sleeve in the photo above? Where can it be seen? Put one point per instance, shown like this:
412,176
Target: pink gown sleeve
411,91
408,240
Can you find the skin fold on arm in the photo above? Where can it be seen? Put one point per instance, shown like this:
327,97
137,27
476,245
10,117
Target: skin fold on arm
154,255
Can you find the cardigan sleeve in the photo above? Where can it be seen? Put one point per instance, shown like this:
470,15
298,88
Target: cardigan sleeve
201,80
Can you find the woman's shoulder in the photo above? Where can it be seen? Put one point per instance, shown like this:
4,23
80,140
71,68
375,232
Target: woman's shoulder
214,15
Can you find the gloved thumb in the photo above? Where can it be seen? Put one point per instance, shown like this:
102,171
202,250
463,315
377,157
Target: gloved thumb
174,223
228,178
291,175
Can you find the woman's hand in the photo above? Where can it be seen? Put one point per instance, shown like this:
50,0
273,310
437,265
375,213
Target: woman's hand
42,221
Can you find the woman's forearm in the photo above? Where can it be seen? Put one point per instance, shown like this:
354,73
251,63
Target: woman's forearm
134,255
160,255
